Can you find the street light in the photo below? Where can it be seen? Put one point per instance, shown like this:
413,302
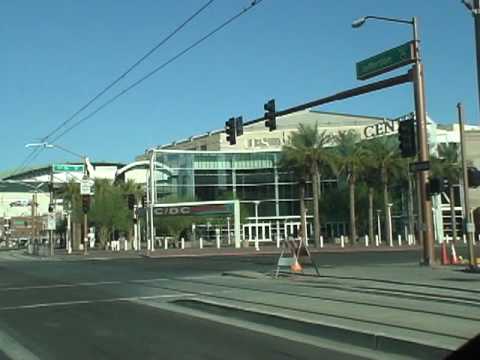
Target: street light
416,72
474,7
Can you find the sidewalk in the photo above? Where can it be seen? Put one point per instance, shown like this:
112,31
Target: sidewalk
212,251
413,311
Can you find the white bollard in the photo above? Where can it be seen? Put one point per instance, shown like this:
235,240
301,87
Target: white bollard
218,241
464,239
447,239
376,240
201,242
321,241
399,240
366,240
165,244
182,243
342,241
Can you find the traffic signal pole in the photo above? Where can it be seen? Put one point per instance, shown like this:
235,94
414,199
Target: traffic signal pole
425,214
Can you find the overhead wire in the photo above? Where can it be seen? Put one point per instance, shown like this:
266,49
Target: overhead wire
158,68
35,152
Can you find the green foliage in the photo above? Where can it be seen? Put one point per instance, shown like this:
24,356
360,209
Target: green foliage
109,209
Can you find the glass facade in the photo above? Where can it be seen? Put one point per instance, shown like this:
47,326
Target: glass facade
254,178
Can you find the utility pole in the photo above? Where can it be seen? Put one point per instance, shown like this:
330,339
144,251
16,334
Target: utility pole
425,213
467,215
474,7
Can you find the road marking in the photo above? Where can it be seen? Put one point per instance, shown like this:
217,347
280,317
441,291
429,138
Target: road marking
13,349
79,302
79,284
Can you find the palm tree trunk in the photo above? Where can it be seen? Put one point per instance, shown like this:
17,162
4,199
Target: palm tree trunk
353,224
316,210
385,207
370,213
303,232
452,212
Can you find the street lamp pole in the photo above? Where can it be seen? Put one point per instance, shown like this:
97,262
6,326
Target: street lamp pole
474,7
417,72
467,216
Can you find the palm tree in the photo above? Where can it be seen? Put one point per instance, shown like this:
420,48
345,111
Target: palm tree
370,175
307,155
448,166
383,155
348,156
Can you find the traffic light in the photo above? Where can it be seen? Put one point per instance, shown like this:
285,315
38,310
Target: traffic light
437,185
86,203
131,201
270,115
406,137
239,126
473,175
230,131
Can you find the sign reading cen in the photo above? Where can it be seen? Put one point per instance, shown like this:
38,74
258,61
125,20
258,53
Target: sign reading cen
384,128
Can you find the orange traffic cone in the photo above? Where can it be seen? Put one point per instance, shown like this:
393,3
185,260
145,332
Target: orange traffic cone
454,255
296,267
445,260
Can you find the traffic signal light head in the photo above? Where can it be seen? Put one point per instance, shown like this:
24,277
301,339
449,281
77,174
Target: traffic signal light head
270,115
406,137
437,185
239,126
86,203
131,201
473,177
230,131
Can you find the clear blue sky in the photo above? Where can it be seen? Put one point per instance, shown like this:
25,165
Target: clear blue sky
56,54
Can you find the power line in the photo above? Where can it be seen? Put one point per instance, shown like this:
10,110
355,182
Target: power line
35,152
158,68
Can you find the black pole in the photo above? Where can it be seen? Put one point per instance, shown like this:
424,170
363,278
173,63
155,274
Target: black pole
476,16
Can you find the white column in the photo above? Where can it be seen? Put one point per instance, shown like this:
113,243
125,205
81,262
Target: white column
399,237
182,242
390,234
236,226
377,241
278,234
366,240
165,243
321,241
342,241
201,242
379,228
69,234
217,237
228,231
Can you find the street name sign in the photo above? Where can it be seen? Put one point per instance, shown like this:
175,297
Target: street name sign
67,168
419,166
386,61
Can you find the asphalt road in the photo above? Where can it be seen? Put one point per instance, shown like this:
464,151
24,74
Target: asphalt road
98,310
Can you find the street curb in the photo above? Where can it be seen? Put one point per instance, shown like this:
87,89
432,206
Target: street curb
364,339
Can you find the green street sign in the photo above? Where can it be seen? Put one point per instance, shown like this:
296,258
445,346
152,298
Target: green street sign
67,168
386,61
